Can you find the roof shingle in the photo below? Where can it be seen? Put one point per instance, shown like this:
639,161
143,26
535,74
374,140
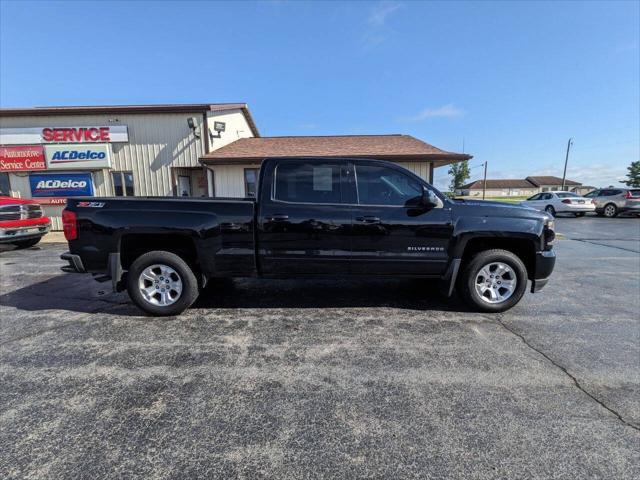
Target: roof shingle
550,180
368,146
499,183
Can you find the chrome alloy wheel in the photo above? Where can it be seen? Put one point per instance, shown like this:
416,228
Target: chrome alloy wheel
495,282
160,285
609,210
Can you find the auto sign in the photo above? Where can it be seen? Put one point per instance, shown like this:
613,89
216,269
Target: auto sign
61,185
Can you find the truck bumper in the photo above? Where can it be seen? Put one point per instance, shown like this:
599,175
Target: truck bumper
75,263
545,262
15,234
114,269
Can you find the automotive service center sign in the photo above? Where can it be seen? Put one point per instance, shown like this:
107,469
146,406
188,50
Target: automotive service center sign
61,185
21,158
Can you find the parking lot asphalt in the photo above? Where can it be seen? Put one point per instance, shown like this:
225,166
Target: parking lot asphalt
326,379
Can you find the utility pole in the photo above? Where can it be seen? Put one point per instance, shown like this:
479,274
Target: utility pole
566,160
484,185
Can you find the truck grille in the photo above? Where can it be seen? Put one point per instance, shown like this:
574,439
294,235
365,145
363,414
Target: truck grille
20,212
32,211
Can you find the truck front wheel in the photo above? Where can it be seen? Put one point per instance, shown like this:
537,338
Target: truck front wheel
162,284
493,281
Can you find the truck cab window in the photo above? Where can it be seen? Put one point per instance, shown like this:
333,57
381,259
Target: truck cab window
379,185
308,183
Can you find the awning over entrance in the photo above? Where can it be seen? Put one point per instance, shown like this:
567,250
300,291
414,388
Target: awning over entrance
397,148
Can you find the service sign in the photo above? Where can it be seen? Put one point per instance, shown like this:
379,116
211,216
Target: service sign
22,158
61,185
53,134
74,157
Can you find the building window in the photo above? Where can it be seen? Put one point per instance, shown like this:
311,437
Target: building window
250,182
122,184
5,187
184,186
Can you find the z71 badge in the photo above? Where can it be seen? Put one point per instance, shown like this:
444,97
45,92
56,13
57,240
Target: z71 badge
91,204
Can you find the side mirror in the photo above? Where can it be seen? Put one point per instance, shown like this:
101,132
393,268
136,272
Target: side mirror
429,199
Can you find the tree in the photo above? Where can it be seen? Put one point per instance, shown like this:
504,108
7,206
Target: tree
459,174
633,175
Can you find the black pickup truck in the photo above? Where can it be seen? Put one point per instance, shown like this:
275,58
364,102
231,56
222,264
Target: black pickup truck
312,218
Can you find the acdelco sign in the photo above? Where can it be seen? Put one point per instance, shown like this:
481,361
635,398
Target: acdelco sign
74,157
55,134
61,185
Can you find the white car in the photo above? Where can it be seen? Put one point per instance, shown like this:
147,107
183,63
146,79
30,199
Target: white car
560,202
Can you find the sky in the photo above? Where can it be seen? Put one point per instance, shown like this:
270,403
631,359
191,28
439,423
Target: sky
508,82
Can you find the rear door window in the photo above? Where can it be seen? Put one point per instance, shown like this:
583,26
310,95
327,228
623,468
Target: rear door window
308,182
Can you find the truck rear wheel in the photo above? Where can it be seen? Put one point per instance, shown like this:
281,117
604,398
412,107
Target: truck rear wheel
162,284
493,281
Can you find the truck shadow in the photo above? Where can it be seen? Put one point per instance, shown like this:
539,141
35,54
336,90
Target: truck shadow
416,294
80,293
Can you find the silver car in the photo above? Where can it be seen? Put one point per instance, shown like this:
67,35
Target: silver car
612,201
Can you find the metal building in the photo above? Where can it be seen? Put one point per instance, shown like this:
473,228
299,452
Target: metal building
54,152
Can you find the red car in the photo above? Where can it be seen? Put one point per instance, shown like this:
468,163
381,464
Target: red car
22,222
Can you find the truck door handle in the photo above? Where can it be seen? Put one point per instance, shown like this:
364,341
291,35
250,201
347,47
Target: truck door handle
277,217
368,219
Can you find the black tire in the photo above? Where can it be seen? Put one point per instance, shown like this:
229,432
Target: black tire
27,243
610,210
550,210
466,281
189,292
579,214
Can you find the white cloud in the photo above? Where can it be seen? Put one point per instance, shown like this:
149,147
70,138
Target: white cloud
377,30
446,111
382,11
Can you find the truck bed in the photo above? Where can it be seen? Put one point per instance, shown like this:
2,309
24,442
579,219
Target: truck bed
217,233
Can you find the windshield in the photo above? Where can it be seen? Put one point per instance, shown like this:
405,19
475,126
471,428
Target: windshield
566,195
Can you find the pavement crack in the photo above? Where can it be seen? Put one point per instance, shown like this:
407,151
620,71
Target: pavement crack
603,245
575,381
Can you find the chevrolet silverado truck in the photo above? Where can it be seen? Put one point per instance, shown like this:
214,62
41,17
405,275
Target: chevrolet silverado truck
22,222
311,218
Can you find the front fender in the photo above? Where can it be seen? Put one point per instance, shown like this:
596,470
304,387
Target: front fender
472,227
